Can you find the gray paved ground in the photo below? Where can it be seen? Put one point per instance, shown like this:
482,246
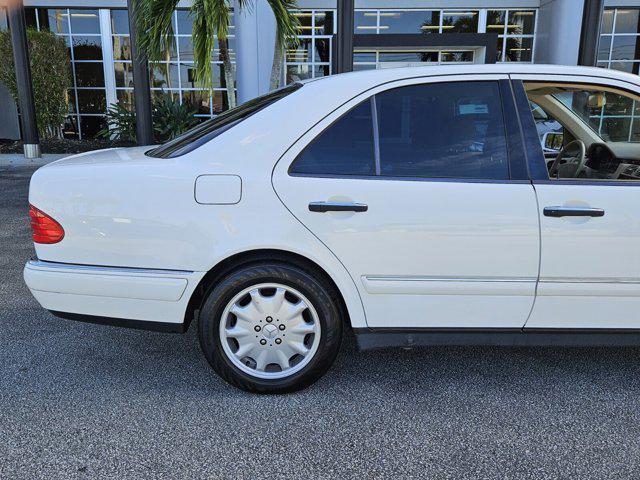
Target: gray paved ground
85,401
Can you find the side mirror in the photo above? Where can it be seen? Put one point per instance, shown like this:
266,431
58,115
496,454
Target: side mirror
553,141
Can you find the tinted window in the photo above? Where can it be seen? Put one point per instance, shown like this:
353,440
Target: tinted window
345,148
443,130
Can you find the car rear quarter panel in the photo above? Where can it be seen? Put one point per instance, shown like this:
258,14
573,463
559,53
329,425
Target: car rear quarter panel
144,214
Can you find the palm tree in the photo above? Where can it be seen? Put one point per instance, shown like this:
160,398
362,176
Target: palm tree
287,25
210,18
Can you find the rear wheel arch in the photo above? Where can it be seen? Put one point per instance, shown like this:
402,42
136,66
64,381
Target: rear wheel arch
256,257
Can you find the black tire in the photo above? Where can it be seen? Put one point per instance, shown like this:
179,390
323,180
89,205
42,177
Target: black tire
319,292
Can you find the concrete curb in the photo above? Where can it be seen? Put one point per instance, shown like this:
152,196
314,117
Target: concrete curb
18,160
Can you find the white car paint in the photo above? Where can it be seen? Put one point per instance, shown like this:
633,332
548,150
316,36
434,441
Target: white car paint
426,254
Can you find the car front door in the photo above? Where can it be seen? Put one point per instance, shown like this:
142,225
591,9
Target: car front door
589,217
420,189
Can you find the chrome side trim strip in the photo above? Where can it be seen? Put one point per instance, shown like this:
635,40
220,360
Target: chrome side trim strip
37,264
589,280
393,278
418,278
491,286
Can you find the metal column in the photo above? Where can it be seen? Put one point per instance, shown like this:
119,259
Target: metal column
142,94
344,52
26,102
590,34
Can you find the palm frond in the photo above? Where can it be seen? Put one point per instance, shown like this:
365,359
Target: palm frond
287,23
210,17
154,21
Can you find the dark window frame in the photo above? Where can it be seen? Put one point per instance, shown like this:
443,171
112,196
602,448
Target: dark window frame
516,157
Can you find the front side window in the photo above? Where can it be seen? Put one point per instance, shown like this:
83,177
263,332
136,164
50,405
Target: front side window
443,130
587,132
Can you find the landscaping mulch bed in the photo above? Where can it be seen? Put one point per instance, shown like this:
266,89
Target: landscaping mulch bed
65,145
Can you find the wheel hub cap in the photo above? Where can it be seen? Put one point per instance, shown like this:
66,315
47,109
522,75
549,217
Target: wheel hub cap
270,330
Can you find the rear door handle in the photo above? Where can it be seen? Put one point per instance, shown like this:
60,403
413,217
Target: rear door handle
322,207
558,212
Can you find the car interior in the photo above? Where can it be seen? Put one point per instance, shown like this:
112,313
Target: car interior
587,131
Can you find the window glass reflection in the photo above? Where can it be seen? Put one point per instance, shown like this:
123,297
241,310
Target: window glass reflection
627,20
521,22
409,22
84,21
459,21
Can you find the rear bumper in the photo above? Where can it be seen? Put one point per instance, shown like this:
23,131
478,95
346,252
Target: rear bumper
133,297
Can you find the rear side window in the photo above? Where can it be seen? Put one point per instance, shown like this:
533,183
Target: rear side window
210,129
443,130
440,130
345,148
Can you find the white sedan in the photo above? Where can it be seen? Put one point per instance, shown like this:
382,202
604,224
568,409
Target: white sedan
414,206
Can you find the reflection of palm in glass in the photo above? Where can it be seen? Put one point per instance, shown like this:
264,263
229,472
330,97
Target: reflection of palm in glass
459,24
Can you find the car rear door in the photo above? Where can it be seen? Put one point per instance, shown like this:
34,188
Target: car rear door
420,189
590,227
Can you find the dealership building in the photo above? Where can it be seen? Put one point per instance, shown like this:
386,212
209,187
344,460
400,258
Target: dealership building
335,36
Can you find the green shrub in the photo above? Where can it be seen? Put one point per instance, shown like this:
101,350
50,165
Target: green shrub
121,123
50,73
170,119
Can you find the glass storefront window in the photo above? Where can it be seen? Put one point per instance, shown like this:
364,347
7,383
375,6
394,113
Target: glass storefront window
312,57
84,21
516,33
119,22
521,22
365,21
626,20
619,49
607,21
459,21
409,22
625,47
619,44
301,53
121,47
519,49
515,28
80,29
463,56
58,21
87,48
176,77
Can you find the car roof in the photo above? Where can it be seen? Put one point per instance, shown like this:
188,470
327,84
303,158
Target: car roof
335,90
400,73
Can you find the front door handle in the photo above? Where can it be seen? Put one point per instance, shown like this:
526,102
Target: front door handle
322,207
558,212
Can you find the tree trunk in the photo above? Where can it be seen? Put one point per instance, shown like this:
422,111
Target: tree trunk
276,67
228,72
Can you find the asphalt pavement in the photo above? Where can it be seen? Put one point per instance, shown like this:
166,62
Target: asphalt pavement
90,401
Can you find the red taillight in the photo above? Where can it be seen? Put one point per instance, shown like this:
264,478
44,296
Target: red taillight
45,229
